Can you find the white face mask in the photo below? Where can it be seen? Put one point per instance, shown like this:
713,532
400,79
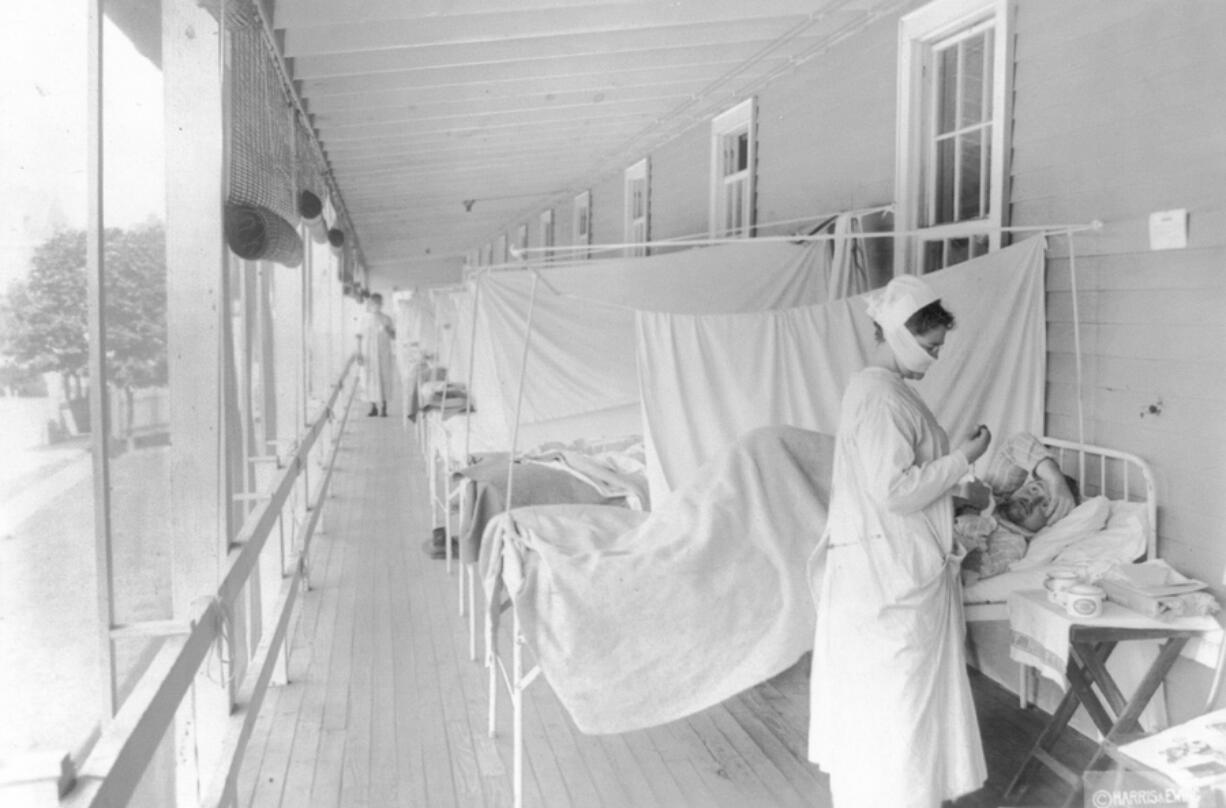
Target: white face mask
907,350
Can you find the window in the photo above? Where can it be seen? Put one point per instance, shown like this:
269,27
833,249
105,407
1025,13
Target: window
581,224
733,156
521,243
546,234
953,71
637,208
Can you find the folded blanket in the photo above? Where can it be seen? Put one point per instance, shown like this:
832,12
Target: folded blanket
639,619
534,484
611,483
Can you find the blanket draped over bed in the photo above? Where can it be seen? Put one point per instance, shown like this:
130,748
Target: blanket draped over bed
638,619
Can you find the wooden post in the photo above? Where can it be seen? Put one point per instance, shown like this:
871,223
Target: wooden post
97,347
197,311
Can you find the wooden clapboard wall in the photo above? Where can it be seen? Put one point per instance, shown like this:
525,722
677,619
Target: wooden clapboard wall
1120,111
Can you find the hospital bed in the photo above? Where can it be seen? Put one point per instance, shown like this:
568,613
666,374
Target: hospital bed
468,473
1128,483
638,618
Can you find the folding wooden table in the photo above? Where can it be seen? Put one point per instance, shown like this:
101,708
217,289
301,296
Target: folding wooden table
1089,644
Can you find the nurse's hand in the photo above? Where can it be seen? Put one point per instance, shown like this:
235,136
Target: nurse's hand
976,444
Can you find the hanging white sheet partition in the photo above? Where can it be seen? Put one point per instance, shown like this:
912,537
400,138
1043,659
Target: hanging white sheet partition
582,379
706,379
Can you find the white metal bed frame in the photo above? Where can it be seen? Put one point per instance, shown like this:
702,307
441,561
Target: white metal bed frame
1119,475
1098,470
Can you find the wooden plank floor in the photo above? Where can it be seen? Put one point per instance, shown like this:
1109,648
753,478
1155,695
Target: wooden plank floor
385,709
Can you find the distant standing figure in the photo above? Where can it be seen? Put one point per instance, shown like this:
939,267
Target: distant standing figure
376,355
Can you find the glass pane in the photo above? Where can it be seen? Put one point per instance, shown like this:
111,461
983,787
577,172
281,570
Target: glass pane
933,257
134,319
947,89
988,59
52,691
742,151
985,186
969,176
973,50
979,246
943,177
957,252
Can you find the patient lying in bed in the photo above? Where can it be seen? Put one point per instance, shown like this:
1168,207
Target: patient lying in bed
1028,493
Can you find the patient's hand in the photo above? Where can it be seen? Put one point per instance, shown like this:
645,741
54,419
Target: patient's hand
1060,503
1060,500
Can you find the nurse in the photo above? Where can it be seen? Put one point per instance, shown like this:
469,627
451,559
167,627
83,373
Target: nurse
891,716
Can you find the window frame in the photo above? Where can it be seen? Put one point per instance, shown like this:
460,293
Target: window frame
545,232
639,172
740,119
918,32
581,225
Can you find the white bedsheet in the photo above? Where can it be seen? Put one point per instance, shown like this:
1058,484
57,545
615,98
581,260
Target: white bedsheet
639,619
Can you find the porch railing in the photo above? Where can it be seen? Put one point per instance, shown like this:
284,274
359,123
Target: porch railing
111,772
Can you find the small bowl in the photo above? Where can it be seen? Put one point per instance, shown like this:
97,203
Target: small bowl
1058,583
1084,601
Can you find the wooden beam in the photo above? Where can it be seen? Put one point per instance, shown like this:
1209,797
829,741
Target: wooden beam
560,136
521,57
197,308
452,109
471,30
476,125
324,12
694,63
98,404
564,89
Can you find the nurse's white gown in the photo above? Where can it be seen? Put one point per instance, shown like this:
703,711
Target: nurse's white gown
892,720
377,355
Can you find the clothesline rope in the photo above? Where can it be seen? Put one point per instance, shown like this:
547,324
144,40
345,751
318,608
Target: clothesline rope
1047,229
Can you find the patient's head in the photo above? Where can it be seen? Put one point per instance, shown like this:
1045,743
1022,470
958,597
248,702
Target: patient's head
1027,506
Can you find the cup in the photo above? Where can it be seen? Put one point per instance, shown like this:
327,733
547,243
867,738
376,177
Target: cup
1058,583
1084,600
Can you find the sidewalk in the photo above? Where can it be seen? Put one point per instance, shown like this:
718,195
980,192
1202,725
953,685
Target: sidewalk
30,478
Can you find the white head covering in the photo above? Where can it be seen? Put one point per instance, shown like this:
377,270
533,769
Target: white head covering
891,307
903,296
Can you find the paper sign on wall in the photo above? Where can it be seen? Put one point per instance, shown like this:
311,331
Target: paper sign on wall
1168,229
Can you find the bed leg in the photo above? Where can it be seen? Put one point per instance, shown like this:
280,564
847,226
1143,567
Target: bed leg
1025,685
517,713
459,529
472,612
446,507
491,666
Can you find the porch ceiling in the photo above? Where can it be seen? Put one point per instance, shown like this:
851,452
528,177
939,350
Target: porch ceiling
520,104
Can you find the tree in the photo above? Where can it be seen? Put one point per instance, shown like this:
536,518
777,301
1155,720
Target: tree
46,315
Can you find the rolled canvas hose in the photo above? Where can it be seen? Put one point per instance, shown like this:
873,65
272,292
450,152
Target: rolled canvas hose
256,233
311,209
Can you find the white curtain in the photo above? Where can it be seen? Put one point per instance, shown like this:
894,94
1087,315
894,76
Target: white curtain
706,379
581,378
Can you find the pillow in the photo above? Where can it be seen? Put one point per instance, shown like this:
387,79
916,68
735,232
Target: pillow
1131,515
1118,544
1123,539
1088,517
